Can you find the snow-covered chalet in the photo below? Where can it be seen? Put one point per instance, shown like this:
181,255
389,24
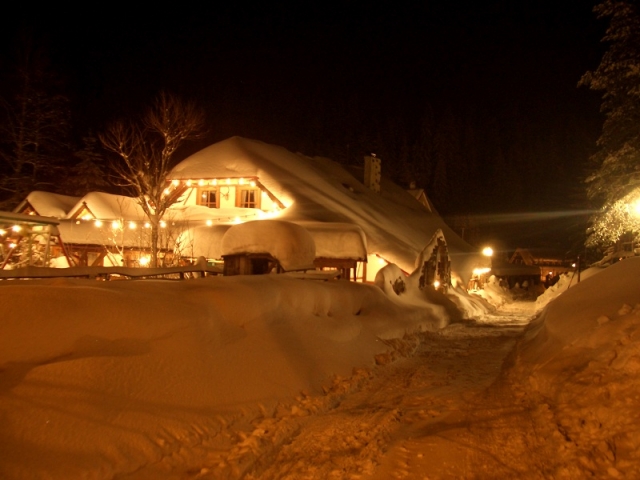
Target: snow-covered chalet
358,224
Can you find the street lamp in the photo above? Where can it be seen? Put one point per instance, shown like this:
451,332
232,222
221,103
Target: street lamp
487,251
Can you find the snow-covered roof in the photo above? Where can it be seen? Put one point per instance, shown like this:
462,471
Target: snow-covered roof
48,204
108,206
290,244
200,214
420,195
338,240
202,241
396,225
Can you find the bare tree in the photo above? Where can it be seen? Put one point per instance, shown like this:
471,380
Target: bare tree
147,151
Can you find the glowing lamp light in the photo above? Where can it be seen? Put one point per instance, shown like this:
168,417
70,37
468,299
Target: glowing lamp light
228,181
144,261
2,232
163,224
189,183
481,271
241,181
209,223
635,207
436,284
132,225
253,183
12,245
175,183
166,191
214,182
16,228
237,220
115,224
147,225
201,182
86,216
487,251
98,223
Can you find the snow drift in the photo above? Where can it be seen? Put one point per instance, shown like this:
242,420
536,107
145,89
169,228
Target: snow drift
579,363
97,376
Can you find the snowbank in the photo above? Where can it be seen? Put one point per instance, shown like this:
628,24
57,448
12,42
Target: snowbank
405,290
580,363
97,377
494,293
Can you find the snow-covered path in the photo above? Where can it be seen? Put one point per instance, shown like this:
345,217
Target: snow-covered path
407,419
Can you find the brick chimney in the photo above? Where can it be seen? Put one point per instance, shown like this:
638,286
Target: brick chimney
372,172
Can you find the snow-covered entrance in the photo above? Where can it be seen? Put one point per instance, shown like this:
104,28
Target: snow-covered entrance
259,246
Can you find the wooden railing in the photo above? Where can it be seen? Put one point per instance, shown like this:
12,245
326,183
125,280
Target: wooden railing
110,273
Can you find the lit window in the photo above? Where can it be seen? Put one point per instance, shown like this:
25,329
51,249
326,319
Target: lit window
209,197
248,197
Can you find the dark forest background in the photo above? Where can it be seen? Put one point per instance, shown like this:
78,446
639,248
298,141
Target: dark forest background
480,108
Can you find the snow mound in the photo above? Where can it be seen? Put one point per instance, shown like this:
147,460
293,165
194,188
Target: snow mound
573,316
566,281
580,362
101,377
287,242
494,293
405,290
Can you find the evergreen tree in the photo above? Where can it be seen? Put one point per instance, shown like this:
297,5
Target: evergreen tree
616,174
423,151
88,173
34,128
448,169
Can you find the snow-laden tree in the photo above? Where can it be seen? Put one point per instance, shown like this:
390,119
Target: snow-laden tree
621,217
616,173
147,151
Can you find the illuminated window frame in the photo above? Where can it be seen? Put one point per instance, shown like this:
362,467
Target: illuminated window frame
248,197
204,197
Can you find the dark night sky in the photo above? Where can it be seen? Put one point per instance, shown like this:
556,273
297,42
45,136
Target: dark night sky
277,72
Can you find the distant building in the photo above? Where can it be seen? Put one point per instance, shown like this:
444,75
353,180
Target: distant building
549,265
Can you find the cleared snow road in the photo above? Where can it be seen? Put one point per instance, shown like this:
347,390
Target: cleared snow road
408,420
